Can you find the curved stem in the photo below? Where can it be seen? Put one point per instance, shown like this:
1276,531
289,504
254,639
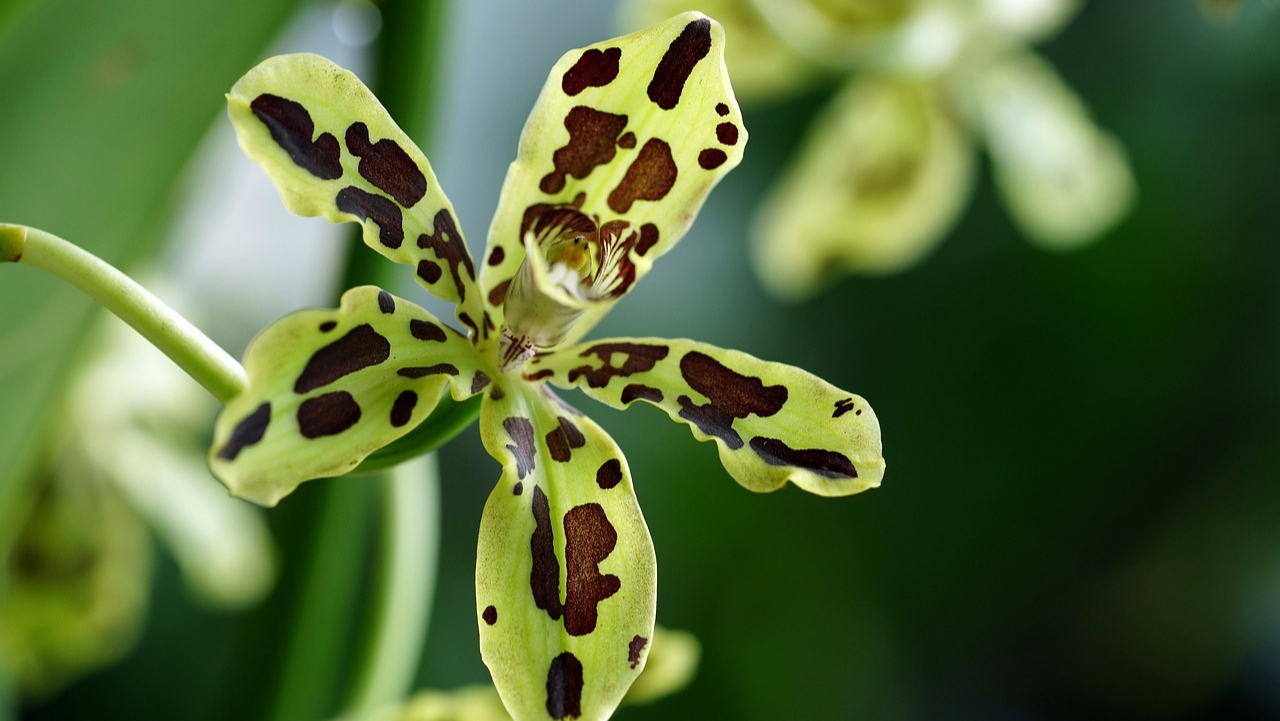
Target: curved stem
405,579
165,328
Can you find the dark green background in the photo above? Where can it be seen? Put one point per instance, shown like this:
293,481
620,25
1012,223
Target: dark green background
1081,514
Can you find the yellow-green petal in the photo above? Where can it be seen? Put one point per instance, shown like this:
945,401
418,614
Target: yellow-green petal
333,151
882,178
565,570
1064,180
773,423
625,142
327,388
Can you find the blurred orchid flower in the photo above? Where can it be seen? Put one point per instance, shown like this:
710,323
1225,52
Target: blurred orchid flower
625,142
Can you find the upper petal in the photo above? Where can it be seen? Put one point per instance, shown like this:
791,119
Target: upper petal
332,150
625,142
565,570
327,388
773,423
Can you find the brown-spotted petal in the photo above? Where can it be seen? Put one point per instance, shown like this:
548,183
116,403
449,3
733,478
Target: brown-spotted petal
565,570
327,388
772,423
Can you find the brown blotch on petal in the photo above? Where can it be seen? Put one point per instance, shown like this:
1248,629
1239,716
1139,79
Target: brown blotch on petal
521,432
650,176
592,137
386,303
385,213
628,140
490,616
595,69
711,158
429,271
539,375
499,293
402,408
692,45
247,432
722,109
327,326
562,440
426,330
362,347
640,358
447,243
822,462
424,371
609,474
291,127
589,539
737,394
479,382
544,577
517,489
387,166
727,133
635,648
711,420
648,238
328,414
497,255
638,390
564,687
843,407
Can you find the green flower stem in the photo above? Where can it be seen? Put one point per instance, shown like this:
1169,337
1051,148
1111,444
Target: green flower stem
404,586
175,336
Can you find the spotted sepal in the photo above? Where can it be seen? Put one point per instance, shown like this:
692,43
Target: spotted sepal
882,178
565,571
333,151
773,423
327,388
625,142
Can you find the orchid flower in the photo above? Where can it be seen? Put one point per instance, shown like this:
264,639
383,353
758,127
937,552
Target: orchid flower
625,142
889,165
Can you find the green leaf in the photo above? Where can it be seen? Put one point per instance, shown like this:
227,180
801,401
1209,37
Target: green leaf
1065,180
565,570
625,141
93,136
327,388
773,423
883,176
333,151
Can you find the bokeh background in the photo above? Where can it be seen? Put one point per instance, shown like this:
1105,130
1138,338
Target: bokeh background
1081,513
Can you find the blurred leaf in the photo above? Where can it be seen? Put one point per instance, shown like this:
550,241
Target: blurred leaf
104,102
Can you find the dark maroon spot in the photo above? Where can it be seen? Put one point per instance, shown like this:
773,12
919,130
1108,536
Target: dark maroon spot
447,242
634,649
711,158
562,440
247,432
824,463
639,359
360,348
496,255
843,407
592,137
539,375
544,578
387,166
466,320
497,394
609,474
722,109
521,431
328,414
291,127
858,412
402,409
737,394
650,176
479,382
594,69
628,140
727,133
648,238
564,687
424,330
327,326
386,303
424,371
673,70
711,420
637,390
428,271
490,616
499,293
517,489
589,539
384,213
